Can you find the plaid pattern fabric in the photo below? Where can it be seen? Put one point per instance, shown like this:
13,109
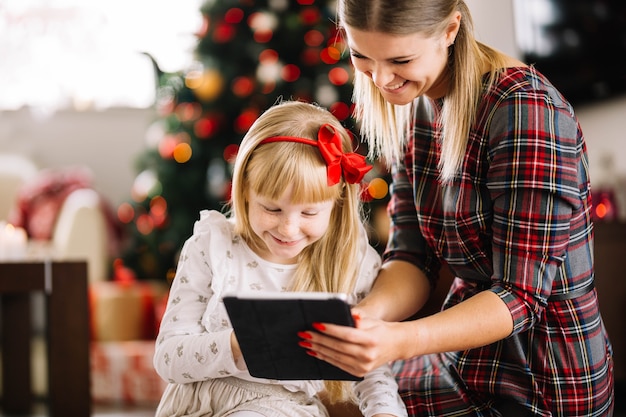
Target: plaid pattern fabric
516,221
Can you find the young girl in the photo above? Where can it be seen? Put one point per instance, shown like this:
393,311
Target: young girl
294,225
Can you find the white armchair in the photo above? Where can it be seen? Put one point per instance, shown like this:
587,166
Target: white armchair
80,232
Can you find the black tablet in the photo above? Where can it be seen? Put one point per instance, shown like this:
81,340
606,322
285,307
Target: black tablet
266,326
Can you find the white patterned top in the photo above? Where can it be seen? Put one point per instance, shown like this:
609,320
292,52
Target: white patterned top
194,339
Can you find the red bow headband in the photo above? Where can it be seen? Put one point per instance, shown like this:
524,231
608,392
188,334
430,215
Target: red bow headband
328,141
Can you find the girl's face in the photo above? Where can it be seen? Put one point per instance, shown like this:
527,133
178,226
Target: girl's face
403,67
287,228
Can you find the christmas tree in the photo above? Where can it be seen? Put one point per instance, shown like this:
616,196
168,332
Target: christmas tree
250,53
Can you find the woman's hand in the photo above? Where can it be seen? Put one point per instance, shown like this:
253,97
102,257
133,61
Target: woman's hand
357,350
480,320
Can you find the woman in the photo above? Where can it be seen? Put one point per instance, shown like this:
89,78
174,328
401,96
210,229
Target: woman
490,181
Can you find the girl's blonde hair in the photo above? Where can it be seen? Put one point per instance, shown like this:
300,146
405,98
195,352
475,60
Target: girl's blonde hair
331,264
387,127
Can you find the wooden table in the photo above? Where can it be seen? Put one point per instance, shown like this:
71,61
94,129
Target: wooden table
66,334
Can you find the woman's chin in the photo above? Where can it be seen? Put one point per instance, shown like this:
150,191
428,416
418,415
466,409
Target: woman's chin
403,96
398,100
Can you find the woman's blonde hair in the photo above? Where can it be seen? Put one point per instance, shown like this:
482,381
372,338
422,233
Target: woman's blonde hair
331,264
387,127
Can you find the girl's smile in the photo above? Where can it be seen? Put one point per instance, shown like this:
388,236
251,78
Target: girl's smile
287,228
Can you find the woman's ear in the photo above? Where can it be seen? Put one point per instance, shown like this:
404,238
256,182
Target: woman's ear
453,28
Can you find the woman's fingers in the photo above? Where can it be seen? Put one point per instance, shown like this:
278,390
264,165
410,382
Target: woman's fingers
355,350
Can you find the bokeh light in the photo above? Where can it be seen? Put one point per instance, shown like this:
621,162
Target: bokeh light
125,213
233,16
378,188
145,224
338,76
242,86
167,145
340,110
230,153
145,184
206,127
207,84
290,73
182,153
313,38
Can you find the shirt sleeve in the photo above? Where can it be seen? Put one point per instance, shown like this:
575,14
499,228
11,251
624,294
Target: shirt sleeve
186,350
378,393
537,156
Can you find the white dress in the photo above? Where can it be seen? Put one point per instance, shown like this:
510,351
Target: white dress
193,350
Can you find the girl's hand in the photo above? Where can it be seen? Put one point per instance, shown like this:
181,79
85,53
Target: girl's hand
236,350
356,350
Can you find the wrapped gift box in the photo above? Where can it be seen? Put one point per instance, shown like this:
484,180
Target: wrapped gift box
122,373
125,311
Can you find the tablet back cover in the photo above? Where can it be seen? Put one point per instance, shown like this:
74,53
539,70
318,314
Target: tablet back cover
267,328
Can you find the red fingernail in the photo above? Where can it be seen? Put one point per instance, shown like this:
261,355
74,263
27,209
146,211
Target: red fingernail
319,326
356,317
305,344
310,352
305,335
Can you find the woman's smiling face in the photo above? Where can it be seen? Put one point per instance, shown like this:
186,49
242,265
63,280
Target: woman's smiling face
403,67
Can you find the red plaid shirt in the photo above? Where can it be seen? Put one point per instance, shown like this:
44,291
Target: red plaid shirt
516,221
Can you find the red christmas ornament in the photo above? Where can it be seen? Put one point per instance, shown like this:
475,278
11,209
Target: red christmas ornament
125,213
145,224
340,110
338,76
310,16
245,120
224,33
268,87
330,55
604,205
263,36
290,73
313,38
233,16
268,56
243,86
206,127
167,146
230,153
158,206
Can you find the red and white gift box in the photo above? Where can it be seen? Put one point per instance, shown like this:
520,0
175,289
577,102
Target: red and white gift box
122,373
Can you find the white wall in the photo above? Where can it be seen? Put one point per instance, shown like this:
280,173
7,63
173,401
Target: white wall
493,24
108,141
